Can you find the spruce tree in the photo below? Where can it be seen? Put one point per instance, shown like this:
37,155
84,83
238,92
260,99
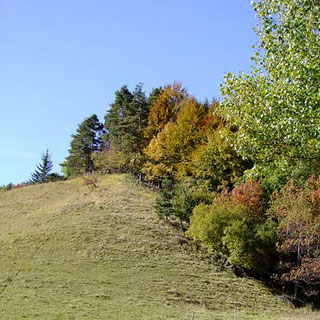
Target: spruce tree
163,204
127,118
41,174
135,121
85,142
115,119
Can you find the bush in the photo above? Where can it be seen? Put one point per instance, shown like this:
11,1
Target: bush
249,194
297,212
235,226
108,161
178,200
135,164
9,186
53,177
90,180
216,162
18,186
276,177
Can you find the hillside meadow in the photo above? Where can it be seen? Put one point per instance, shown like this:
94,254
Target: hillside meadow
71,251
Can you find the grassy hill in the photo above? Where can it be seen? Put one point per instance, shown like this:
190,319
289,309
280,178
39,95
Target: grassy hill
70,251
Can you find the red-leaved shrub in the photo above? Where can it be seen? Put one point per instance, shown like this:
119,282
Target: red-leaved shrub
297,212
247,194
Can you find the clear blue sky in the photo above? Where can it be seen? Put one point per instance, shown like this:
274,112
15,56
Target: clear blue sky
62,61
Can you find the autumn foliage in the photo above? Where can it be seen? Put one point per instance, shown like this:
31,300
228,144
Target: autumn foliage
235,226
165,109
297,212
173,142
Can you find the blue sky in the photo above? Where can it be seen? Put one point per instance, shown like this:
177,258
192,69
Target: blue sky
62,61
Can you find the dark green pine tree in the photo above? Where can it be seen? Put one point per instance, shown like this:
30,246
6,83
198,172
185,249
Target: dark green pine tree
87,140
154,94
135,120
127,118
42,172
115,124
163,203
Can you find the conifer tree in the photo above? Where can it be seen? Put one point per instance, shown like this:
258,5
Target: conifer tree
87,140
127,119
164,200
135,120
115,123
42,172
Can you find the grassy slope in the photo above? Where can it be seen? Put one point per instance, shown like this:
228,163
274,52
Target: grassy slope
70,252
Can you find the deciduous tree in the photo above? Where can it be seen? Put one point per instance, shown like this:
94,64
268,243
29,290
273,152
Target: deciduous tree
297,212
178,139
165,109
277,105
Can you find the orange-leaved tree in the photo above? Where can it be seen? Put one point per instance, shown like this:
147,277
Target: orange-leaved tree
164,109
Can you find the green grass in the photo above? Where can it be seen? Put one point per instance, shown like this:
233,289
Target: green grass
69,251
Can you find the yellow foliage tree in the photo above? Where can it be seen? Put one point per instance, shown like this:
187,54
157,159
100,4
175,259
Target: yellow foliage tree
177,140
165,109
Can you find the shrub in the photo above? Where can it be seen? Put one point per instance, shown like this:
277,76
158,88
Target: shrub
9,186
276,177
53,177
135,164
297,212
90,180
108,161
249,194
18,186
217,162
234,226
178,200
